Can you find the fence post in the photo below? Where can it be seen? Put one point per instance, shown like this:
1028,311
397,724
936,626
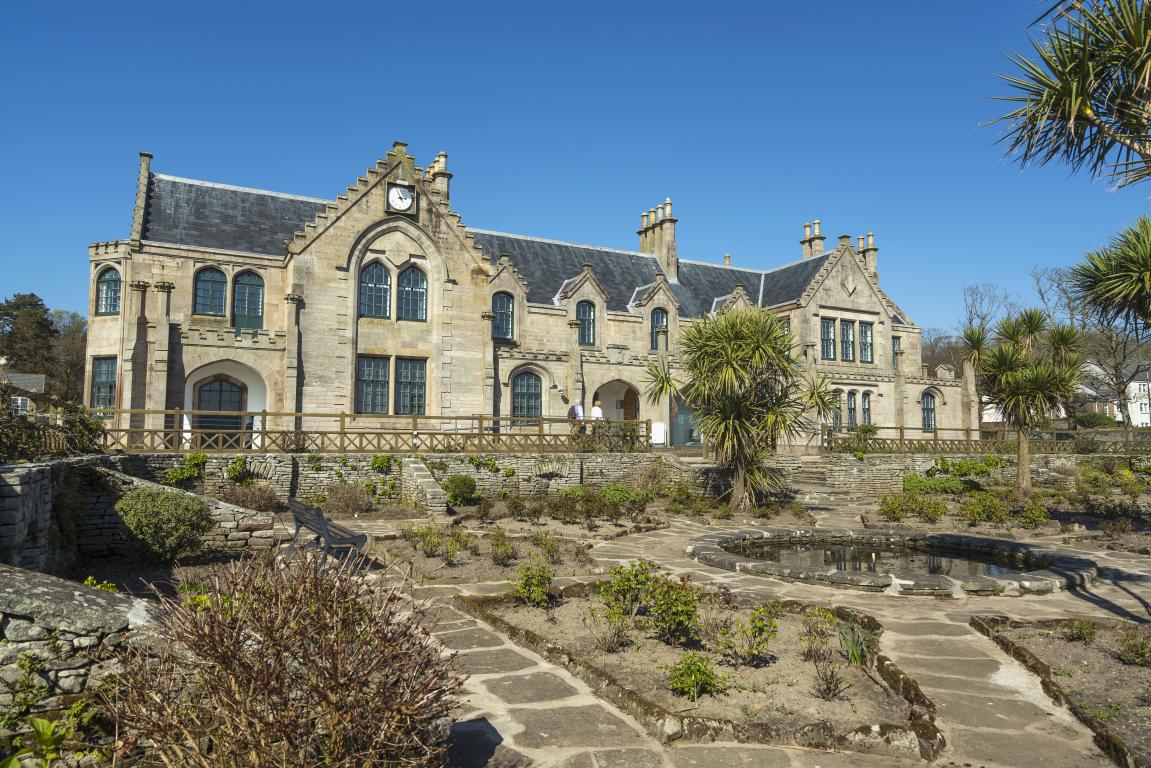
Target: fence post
902,445
342,431
264,431
480,436
823,438
647,433
178,428
935,439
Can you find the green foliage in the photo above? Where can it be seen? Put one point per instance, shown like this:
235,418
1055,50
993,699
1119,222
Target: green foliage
673,610
1129,483
534,511
382,463
1032,515
895,507
461,489
627,588
532,584
1135,647
509,471
938,484
748,642
1115,529
575,492
192,469
818,624
237,470
166,524
1094,481
856,642
107,586
984,508
315,463
1080,631
695,675
616,493
548,545
47,740
29,688
1094,420
516,506
503,551
485,508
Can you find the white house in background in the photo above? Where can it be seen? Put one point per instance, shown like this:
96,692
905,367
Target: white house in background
1138,400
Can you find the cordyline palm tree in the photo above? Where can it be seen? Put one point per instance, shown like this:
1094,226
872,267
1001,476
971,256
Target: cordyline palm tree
747,393
1115,281
1085,96
1027,381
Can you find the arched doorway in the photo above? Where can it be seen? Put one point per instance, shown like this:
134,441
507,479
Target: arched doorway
227,387
619,400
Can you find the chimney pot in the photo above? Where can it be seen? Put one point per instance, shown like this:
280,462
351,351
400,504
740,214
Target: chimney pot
816,225
859,243
667,207
807,231
870,239
643,220
727,259
651,216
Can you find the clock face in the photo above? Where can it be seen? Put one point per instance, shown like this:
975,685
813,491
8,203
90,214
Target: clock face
400,198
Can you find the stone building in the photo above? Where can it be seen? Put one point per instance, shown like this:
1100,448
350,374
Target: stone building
381,301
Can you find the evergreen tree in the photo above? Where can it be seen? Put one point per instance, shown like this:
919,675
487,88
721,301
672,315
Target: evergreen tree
27,335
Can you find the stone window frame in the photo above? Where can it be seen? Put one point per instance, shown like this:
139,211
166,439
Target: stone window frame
197,421
866,348
666,326
236,282
852,409
504,317
929,417
107,391
896,348
409,295
402,391
865,407
847,340
384,289
827,340
105,295
586,323
381,386
837,411
524,374
201,276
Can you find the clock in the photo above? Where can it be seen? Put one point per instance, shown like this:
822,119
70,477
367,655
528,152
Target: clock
401,198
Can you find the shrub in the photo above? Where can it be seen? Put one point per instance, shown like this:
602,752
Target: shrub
382,463
534,511
694,675
1080,631
830,682
166,524
616,493
610,632
1135,647
432,542
300,627
237,470
466,541
261,498
485,508
1032,515
1094,481
969,467
627,588
1115,529
984,508
931,510
192,468
575,492
937,484
682,494
747,643
1094,420
1129,483
818,624
673,610
516,506
856,642
549,545
502,550
461,489
532,584
347,500
895,507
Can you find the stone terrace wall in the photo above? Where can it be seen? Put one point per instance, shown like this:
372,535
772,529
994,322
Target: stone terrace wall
883,473
551,473
71,629
34,532
102,533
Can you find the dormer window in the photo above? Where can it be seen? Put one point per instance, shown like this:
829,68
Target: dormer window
585,314
503,310
658,323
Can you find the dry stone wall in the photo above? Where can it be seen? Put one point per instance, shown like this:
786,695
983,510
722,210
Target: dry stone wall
884,473
528,474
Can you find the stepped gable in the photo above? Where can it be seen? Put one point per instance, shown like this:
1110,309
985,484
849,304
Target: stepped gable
222,217
547,264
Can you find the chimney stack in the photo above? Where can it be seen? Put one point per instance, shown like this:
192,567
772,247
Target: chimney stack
727,259
806,241
816,240
441,178
870,255
845,241
859,244
657,238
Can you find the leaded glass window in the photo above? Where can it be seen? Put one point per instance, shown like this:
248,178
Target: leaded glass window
412,295
527,400
411,377
504,322
827,338
103,393
928,403
371,384
248,301
211,290
866,343
847,340
865,407
585,314
375,291
851,421
108,292
658,321
895,347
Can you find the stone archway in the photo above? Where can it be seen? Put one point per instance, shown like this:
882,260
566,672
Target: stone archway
225,386
620,401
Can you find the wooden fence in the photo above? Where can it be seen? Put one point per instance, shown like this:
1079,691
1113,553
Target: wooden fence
909,440
172,431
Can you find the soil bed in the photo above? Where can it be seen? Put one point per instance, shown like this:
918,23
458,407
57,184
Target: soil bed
772,703
1110,697
132,576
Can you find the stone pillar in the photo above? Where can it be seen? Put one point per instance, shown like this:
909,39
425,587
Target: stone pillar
134,365
157,395
900,394
490,389
292,381
573,384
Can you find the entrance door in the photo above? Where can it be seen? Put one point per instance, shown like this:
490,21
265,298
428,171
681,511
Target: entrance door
220,431
630,405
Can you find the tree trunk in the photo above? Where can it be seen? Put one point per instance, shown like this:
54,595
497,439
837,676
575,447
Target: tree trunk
738,501
1125,411
1023,457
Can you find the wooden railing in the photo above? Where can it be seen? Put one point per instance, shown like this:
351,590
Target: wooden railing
911,440
169,431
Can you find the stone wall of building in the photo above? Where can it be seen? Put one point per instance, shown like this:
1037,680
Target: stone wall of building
60,635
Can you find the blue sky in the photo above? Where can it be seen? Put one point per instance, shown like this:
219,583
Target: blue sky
560,120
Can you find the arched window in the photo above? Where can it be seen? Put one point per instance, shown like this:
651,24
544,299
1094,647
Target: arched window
375,291
585,314
851,417
211,290
527,401
928,403
412,297
248,302
658,321
865,406
108,292
837,406
503,324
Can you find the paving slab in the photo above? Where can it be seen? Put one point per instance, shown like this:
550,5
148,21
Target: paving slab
628,758
488,662
467,639
573,726
1001,749
530,688
730,756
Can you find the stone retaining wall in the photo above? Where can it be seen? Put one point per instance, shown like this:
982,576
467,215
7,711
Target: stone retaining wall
551,473
883,473
60,635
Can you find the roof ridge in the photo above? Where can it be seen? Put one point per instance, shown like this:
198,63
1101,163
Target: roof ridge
559,242
235,188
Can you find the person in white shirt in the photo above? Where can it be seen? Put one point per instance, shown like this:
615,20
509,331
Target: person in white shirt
597,411
575,417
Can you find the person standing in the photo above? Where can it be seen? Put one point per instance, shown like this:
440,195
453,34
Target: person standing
575,417
597,411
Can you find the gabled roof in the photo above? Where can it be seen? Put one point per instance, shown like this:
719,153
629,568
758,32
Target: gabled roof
223,217
547,264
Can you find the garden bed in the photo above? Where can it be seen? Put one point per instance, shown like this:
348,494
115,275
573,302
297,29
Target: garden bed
1080,666
883,711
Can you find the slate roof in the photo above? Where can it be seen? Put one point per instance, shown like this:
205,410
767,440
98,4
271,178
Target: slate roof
546,264
196,213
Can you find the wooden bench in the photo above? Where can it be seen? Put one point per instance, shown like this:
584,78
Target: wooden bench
330,535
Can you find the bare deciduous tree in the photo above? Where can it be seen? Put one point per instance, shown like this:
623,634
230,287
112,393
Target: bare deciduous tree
984,304
1118,353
